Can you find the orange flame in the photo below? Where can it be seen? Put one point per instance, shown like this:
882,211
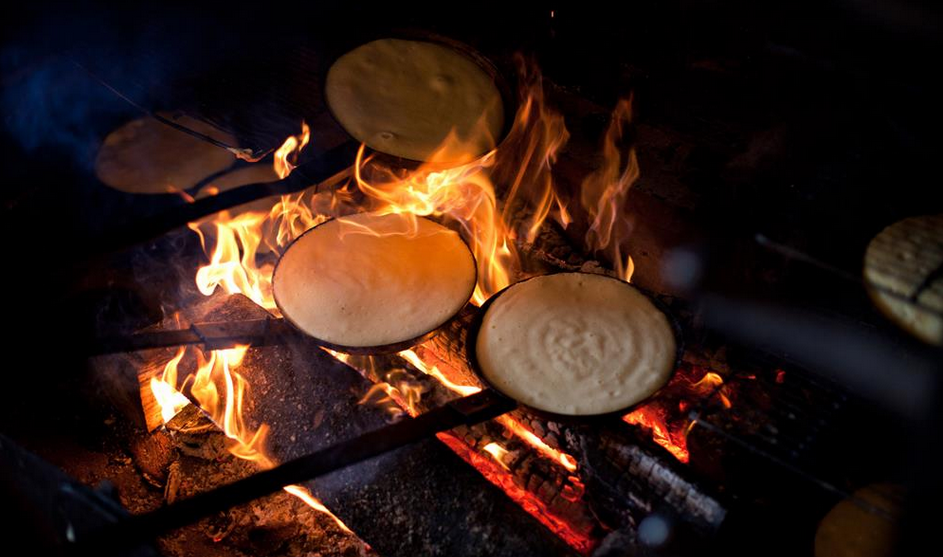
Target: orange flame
709,384
528,155
465,195
498,452
513,426
416,361
290,149
651,417
170,400
233,262
604,193
668,428
225,409
531,438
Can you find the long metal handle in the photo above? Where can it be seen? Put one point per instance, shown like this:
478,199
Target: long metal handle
213,336
468,410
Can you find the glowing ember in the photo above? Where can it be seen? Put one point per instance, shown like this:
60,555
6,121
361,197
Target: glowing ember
537,443
498,452
652,418
432,370
670,427
497,474
513,426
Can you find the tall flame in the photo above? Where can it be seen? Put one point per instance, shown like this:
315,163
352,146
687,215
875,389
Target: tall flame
170,400
286,157
604,193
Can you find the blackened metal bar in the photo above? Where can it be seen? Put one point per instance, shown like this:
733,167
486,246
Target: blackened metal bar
214,336
873,366
792,253
468,410
244,154
315,171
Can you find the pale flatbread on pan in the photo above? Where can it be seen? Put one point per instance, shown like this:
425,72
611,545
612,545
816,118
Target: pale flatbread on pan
146,156
575,344
368,280
403,98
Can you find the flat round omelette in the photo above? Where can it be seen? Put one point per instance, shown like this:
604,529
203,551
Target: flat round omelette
370,280
575,344
404,98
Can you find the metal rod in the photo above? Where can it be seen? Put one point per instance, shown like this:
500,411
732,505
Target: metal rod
468,410
242,153
792,253
214,336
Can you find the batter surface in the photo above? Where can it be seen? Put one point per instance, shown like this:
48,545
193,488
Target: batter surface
146,156
404,98
576,344
905,259
367,280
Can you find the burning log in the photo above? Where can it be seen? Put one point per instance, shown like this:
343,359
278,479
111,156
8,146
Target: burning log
277,524
392,501
627,483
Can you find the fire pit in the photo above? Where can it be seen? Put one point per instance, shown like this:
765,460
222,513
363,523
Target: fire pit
193,379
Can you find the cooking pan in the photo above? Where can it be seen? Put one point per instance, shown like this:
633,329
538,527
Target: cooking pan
388,348
469,410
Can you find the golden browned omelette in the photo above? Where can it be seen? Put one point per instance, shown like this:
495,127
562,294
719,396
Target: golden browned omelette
404,97
905,259
368,280
147,156
576,344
